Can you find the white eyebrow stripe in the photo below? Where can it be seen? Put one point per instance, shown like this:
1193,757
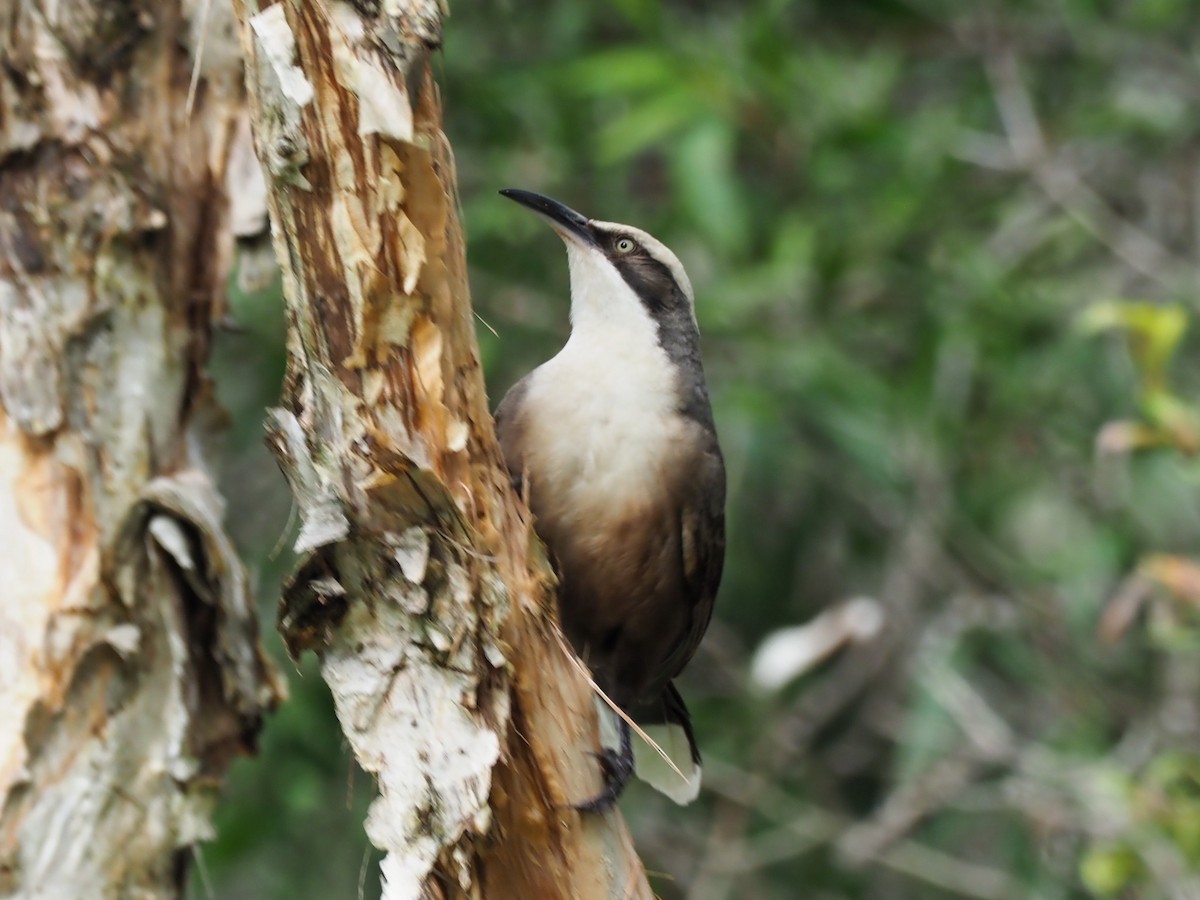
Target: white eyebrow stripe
658,250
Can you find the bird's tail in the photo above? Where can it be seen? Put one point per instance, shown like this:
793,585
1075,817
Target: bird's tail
667,723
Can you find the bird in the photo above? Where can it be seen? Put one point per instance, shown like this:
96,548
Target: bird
613,442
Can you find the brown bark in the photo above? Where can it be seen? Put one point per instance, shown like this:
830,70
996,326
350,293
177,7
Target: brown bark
129,664
421,583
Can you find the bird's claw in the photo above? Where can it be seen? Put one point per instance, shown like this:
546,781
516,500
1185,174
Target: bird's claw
616,767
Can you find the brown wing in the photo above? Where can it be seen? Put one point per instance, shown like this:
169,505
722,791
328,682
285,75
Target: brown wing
702,556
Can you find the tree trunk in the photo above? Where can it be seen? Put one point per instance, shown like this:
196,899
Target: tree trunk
129,663
421,583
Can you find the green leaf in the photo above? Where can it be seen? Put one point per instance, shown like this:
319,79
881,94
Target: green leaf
624,70
704,173
1154,330
1109,869
646,123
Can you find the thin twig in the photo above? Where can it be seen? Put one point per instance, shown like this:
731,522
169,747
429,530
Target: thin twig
578,663
195,80
803,827
1062,184
281,541
205,881
906,807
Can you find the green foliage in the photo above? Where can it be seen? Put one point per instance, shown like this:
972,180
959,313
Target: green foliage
1154,332
1164,807
925,395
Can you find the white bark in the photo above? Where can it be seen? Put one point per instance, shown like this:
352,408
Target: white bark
421,583
130,673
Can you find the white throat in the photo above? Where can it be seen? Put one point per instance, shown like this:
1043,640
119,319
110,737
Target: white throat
613,350
604,306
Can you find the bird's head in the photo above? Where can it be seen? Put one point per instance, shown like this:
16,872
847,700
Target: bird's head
622,279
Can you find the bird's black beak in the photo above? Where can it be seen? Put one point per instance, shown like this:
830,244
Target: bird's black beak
569,224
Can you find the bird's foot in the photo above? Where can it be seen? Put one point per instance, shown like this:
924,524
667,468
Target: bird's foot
616,767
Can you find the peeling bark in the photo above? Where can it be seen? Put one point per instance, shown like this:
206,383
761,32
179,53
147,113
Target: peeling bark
421,584
130,671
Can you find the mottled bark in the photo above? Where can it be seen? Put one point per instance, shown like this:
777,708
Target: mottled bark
130,671
421,583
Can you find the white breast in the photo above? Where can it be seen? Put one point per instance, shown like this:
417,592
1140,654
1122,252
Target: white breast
605,422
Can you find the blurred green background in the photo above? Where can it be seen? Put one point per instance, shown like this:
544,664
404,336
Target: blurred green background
945,259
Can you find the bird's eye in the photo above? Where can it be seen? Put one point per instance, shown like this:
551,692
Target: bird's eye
624,245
